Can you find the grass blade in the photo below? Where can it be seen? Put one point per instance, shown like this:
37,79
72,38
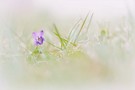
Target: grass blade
69,36
89,22
59,36
82,26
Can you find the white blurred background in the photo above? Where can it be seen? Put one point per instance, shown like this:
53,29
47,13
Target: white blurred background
102,9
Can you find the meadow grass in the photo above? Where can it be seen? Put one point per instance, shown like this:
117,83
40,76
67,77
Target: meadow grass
86,51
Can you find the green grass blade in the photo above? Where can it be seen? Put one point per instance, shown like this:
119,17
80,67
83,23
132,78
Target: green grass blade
53,45
89,22
72,30
59,36
82,26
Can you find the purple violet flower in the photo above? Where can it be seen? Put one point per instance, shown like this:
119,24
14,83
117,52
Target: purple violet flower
38,37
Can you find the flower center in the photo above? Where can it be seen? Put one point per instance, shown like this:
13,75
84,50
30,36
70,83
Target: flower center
39,39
